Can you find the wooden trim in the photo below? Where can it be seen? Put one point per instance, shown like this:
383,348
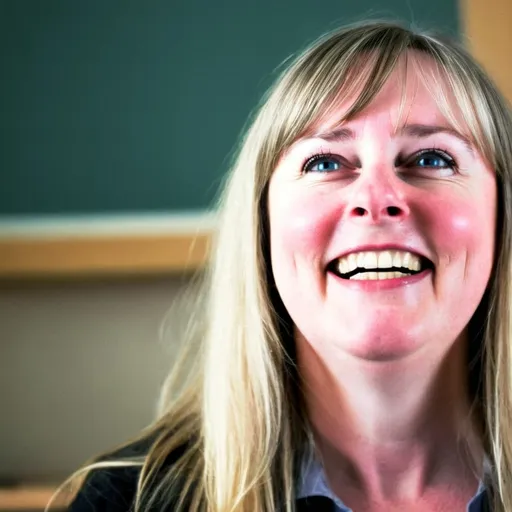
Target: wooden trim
27,498
104,246
98,256
487,25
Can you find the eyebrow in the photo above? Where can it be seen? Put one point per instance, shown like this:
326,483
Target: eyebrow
411,130
424,130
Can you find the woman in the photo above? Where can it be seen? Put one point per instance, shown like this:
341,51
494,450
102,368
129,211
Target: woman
355,349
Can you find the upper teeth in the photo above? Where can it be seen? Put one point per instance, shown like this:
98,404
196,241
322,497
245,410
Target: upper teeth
378,260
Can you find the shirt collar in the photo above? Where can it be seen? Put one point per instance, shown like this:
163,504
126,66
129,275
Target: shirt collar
312,482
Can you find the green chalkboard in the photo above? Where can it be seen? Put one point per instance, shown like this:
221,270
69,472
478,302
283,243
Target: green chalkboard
131,106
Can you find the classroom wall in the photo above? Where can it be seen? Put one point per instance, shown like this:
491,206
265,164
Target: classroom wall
80,368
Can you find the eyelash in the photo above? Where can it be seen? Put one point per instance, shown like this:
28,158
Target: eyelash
400,161
317,157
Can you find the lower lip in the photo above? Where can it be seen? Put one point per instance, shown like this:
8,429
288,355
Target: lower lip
382,284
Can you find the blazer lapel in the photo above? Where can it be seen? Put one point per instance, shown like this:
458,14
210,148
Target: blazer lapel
315,504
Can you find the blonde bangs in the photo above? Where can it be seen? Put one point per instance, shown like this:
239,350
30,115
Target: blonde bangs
313,87
347,65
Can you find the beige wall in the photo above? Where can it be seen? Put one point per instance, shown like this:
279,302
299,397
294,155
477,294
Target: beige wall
80,368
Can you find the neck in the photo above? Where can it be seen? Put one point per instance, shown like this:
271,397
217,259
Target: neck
391,429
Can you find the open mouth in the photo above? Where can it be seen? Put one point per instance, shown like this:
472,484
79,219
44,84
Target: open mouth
373,265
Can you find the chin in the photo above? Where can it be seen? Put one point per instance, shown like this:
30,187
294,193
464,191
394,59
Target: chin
382,347
381,354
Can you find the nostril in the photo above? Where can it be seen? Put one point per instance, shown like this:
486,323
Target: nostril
359,212
393,211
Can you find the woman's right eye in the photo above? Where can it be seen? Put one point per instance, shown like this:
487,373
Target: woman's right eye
323,164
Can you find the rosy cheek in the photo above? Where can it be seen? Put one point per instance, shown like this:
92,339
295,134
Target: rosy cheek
303,227
459,228
455,225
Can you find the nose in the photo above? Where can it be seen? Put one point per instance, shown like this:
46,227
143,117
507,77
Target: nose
378,196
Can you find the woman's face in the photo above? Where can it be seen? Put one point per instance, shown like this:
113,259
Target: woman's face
382,228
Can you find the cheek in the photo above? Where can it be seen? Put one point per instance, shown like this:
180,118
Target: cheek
301,228
464,228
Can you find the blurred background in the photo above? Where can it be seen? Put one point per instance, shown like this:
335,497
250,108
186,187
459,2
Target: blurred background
118,120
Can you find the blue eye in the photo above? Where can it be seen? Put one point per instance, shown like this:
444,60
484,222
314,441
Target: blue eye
433,159
322,163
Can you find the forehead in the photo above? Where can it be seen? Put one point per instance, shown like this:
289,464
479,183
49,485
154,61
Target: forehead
416,92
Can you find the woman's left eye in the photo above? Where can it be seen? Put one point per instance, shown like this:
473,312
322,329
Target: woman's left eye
432,159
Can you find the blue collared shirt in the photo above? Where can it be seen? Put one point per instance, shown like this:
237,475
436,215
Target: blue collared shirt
314,483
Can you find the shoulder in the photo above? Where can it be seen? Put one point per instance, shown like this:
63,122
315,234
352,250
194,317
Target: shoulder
107,489
112,489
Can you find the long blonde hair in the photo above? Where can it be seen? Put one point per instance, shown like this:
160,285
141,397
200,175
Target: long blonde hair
238,426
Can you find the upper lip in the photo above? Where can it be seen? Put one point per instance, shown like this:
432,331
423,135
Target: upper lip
381,247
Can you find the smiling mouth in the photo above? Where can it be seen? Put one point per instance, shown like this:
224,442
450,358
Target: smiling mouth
373,265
